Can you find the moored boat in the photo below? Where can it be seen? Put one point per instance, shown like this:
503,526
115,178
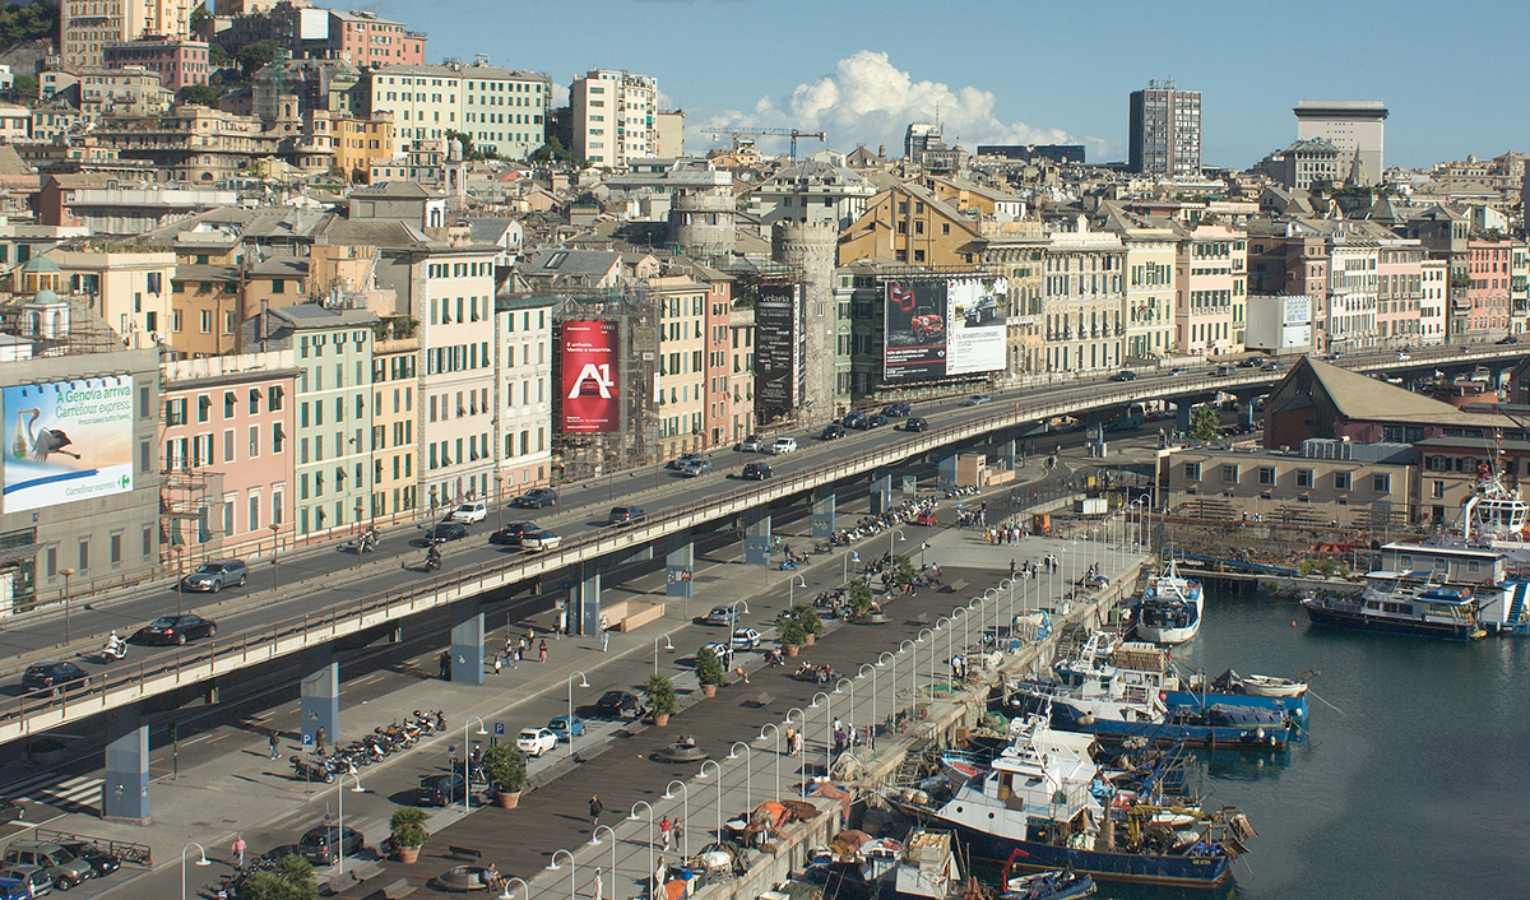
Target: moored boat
1269,686
1401,603
1170,609
1061,884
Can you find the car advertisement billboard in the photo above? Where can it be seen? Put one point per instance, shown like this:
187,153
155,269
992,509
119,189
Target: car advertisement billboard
68,441
778,357
941,328
975,334
589,382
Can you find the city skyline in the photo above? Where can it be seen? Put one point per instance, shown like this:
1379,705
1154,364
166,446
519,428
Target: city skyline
860,75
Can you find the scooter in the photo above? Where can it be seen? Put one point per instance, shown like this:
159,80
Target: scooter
312,772
110,653
432,561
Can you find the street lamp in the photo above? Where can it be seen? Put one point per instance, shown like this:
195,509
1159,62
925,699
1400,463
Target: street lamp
595,842
633,817
584,683
358,789
913,674
702,775
499,506
828,727
359,554
734,606
573,869
685,812
201,861
920,638
803,715
943,622
748,772
791,590
777,731
180,577
840,686
509,896
67,573
668,645
276,575
872,733
895,533
467,760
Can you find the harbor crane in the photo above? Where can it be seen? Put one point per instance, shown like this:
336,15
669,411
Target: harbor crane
792,133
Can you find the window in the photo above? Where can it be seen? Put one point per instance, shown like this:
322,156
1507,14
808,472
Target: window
1343,481
1266,474
1381,484
1192,471
1230,474
115,545
1438,489
1304,478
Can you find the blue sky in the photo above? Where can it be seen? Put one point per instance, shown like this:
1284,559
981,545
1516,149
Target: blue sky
1000,70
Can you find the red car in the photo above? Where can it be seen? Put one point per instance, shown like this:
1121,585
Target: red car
927,517
927,326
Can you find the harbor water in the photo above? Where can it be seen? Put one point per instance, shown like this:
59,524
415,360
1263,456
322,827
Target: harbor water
1412,782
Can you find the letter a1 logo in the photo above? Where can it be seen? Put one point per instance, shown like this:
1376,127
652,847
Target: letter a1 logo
600,375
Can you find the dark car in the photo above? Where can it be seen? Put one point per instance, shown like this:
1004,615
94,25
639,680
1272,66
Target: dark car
446,531
52,675
916,423
831,432
617,704
511,534
538,498
323,844
854,420
757,471
680,461
626,515
215,576
102,862
1510,339
875,420
897,410
1274,366
440,790
176,630
1124,375
1253,362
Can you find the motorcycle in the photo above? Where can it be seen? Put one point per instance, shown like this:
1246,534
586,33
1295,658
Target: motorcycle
787,565
774,658
113,652
310,771
432,561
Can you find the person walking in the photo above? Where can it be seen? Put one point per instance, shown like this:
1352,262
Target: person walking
665,827
499,663
444,662
542,651
600,891
605,640
239,847
318,741
595,809
273,743
515,658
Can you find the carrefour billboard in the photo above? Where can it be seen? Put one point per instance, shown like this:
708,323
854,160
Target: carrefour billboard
938,328
68,441
590,393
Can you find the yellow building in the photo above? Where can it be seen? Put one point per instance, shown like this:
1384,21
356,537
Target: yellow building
395,387
361,142
907,223
682,370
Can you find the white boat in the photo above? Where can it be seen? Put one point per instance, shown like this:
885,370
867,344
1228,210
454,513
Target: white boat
1270,686
1170,609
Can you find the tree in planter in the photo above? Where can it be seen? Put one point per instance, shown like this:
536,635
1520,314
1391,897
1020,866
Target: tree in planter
710,671
1204,425
861,597
506,769
662,700
791,634
409,834
903,569
292,879
807,617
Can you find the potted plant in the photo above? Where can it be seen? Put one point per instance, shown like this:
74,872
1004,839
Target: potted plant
791,634
506,769
861,597
710,672
409,834
807,616
662,700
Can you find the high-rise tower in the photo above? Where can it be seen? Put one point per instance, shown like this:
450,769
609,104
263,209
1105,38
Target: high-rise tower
1165,130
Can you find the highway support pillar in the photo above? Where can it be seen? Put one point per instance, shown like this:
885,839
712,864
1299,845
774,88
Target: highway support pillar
945,472
756,524
1006,454
881,495
584,599
125,790
319,695
1248,413
823,513
679,566
467,664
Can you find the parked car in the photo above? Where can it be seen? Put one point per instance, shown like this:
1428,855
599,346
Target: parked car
536,741
724,652
784,445
875,420
746,639
323,844
854,420
752,444
53,675
34,877
215,576
15,889
897,410
470,513
680,461
696,468
102,862
446,531
720,615
441,790
832,432
511,534
1124,375
617,704
1508,340
566,727
915,423
537,541
176,630
757,471
977,400
64,869
537,498
626,515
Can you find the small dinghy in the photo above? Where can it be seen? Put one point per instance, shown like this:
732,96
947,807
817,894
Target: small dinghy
1270,686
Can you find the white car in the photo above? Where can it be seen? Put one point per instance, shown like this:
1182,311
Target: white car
1402,356
746,639
533,541
536,741
783,445
470,513
751,444
723,652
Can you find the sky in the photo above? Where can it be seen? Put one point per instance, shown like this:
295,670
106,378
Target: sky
1003,71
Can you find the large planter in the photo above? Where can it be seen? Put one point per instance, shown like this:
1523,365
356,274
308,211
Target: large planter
660,719
791,649
811,637
409,855
508,799
709,690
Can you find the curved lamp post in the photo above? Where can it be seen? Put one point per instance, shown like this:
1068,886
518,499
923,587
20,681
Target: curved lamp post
506,895
748,772
703,774
573,869
942,622
850,716
862,674
201,861
583,683
777,730
668,645
791,589
467,760
595,841
828,727
896,533
633,817
685,812
358,789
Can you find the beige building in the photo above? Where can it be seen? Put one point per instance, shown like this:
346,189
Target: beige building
130,291
681,390
502,109
1151,250
1083,293
87,26
615,118
1211,298
128,91
523,325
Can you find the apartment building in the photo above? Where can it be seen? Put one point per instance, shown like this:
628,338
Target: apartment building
1015,253
129,290
524,380
394,446
1399,292
364,40
502,110
192,144
1151,259
614,117
178,62
1488,265
681,391
454,303
1211,274
1352,292
1433,317
1356,128
1083,300
741,421
86,27
129,90
1165,130
908,224
362,142
205,309
812,191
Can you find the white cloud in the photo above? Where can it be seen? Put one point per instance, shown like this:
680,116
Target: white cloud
867,100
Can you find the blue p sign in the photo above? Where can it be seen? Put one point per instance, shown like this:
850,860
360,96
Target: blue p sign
499,729
307,739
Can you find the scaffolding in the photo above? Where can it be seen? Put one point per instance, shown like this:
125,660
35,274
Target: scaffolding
190,515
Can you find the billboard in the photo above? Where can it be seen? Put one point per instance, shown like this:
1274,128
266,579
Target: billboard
778,358
68,441
589,382
941,328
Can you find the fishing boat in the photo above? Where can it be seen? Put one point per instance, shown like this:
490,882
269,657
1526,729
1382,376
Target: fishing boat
928,868
1062,884
1169,611
1216,725
1402,603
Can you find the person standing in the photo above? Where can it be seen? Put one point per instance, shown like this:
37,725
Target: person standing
665,827
318,741
595,809
605,640
542,651
444,662
239,847
599,892
499,663
273,743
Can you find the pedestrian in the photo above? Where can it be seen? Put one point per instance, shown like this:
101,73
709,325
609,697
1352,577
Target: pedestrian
515,659
599,886
742,674
318,741
595,807
665,827
273,742
605,641
542,651
239,847
679,831
1011,568
524,646
444,661
660,869
509,645
499,663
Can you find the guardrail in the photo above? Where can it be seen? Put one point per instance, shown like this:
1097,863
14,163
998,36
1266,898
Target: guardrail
41,711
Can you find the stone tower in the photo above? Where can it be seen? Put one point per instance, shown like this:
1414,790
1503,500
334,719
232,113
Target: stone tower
701,223
808,251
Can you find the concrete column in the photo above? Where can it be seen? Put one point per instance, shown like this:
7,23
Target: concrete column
584,600
756,537
125,790
1248,412
881,494
1182,417
467,642
823,512
679,567
319,687
945,470
1006,454
910,485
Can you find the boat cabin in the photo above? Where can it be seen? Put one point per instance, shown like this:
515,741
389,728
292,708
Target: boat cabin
1446,564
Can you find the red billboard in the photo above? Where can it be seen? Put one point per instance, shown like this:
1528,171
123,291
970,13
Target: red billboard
590,377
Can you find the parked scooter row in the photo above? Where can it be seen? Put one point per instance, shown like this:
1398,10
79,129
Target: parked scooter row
964,491
383,742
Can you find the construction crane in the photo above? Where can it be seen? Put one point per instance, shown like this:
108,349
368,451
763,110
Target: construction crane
770,132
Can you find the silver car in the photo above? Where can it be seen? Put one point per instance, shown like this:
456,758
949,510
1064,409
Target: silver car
215,576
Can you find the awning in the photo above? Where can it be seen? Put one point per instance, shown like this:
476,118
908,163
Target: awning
12,555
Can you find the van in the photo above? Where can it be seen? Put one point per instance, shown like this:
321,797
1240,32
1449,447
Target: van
64,869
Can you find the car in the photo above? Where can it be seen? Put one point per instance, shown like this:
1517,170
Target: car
832,432
875,420
470,513
34,877
537,498
696,468
1274,365
625,515
63,868
176,630
1179,370
323,844
215,576
102,862
977,400
1224,371
1253,362
54,675
916,424
446,531
752,444
1508,340
1124,375
11,811
746,639
441,790
536,741
927,518
720,615
757,471
616,704
985,310
566,727
537,541
680,461
854,420
784,445
724,652
14,889
926,324
511,534
1402,356
897,410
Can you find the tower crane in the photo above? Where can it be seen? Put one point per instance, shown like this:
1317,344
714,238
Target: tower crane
792,133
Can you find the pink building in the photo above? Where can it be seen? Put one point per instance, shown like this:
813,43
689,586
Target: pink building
179,63
1488,295
227,456
1400,292
367,40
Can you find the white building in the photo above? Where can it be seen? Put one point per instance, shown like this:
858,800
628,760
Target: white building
87,26
503,109
525,387
1357,128
614,117
1280,324
812,192
1083,292
1434,275
1352,289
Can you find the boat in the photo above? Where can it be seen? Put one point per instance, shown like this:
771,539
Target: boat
1169,611
1216,725
1401,603
928,868
1268,686
1061,884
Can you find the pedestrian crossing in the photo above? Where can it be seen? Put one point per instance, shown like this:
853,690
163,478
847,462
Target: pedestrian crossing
79,794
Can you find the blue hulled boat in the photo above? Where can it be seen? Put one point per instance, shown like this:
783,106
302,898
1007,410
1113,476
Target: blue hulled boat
1402,603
